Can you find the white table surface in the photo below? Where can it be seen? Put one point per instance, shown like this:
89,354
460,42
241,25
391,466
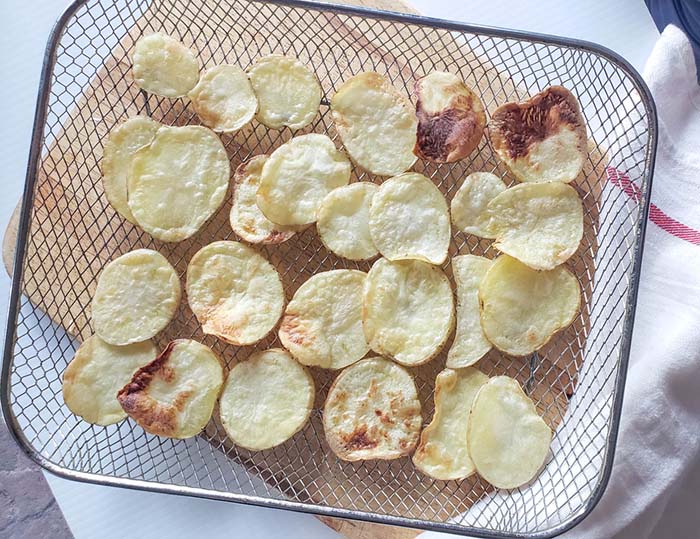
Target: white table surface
94,511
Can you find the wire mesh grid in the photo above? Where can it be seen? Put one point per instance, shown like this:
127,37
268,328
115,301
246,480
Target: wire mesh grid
71,233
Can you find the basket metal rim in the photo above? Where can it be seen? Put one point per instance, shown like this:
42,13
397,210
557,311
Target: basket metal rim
628,322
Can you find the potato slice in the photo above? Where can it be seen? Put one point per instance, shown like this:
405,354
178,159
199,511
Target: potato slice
322,325
372,412
442,452
234,292
469,205
408,310
119,148
409,219
97,372
288,92
470,343
539,224
174,395
266,400
451,118
136,297
343,221
297,176
542,139
224,99
246,218
508,441
522,308
376,123
164,66
178,181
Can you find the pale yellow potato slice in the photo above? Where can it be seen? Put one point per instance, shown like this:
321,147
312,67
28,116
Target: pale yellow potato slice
119,148
136,297
266,400
508,441
408,310
234,292
297,176
372,412
442,452
178,181
408,219
163,66
376,123
174,395
224,99
470,343
95,375
288,92
322,325
469,207
343,221
521,308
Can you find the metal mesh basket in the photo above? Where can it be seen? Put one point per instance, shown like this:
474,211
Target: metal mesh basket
67,233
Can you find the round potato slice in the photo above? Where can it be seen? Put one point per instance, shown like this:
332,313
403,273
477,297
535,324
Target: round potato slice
174,395
539,224
522,308
120,146
164,66
234,292
97,372
408,310
372,412
451,118
136,297
224,99
409,219
297,176
376,123
246,218
442,452
322,325
469,205
288,92
178,181
266,400
508,442
343,221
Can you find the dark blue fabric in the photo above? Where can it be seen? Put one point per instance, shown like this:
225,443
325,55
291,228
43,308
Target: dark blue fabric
685,14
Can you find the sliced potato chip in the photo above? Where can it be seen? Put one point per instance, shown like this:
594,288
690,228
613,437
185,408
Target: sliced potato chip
522,308
322,325
174,395
164,66
120,146
136,297
288,92
372,412
266,400
297,176
224,99
539,224
469,205
234,292
177,182
508,442
442,452
542,139
246,218
408,310
97,372
409,219
343,221
376,123
470,343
